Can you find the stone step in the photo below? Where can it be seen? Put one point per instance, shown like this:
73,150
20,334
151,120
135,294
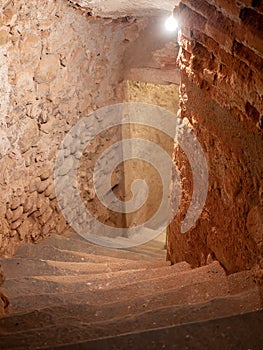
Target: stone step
67,291
74,242
154,247
148,246
105,280
240,281
157,242
47,252
240,332
202,289
155,253
182,294
78,306
47,326
143,300
22,267
127,285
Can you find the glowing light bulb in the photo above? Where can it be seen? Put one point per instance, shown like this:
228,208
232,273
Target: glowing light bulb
171,24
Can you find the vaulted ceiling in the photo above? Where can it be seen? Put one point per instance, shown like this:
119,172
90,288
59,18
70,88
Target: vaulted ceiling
119,8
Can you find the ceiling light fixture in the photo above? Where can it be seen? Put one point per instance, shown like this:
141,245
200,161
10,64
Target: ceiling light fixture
171,24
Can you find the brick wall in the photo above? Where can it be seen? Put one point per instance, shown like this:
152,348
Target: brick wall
221,61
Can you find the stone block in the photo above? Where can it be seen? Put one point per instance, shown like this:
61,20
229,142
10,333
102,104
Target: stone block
30,49
4,37
248,56
9,16
206,41
229,7
29,135
17,213
202,7
47,69
24,230
190,19
5,145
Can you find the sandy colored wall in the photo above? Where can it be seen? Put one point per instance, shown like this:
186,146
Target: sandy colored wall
167,97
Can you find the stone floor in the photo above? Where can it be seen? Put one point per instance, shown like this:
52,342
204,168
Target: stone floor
67,293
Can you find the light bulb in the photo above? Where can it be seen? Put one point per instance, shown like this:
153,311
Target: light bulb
171,24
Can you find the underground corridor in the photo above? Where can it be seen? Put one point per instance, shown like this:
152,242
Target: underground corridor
131,142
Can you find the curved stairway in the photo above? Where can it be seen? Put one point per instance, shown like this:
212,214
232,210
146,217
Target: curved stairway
66,293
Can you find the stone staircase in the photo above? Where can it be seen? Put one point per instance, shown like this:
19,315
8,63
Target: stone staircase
66,293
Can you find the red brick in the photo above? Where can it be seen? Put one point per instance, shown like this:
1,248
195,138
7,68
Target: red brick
252,20
221,29
190,19
215,18
241,78
247,55
241,68
206,41
249,39
206,58
221,22
225,57
223,79
224,60
200,58
201,6
200,51
251,25
197,65
230,7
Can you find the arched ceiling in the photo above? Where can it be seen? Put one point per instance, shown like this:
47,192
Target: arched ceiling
120,8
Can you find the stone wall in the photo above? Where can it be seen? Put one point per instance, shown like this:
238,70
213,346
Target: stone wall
221,61
57,64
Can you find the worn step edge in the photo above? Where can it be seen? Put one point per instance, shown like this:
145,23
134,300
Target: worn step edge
181,294
73,312
165,318
108,278
155,242
21,286
22,267
82,245
234,332
46,252
152,248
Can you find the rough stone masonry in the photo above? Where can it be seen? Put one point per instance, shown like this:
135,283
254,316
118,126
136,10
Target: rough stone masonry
221,61
57,64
